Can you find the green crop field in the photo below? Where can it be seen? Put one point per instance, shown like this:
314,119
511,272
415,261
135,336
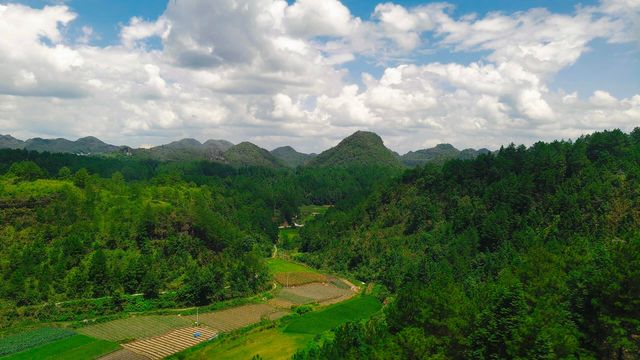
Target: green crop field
269,344
77,347
138,327
283,266
30,339
329,318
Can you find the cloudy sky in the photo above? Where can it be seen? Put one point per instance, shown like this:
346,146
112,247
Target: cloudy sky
309,72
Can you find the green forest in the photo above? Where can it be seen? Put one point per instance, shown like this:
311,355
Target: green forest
526,253
522,253
182,233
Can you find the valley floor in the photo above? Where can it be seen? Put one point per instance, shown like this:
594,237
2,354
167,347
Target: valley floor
267,328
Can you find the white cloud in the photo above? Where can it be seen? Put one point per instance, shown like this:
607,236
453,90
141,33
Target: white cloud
319,18
139,29
272,72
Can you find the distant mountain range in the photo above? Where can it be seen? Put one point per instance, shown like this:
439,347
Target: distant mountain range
185,150
85,145
360,148
439,154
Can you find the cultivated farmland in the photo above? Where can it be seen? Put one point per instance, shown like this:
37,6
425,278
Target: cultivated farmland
30,339
315,292
77,347
270,344
299,278
319,321
175,341
137,327
279,343
236,318
124,354
283,266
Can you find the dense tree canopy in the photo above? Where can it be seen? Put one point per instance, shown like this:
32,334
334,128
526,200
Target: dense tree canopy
529,253
87,227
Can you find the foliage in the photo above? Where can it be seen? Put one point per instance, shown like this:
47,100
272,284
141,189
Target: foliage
522,253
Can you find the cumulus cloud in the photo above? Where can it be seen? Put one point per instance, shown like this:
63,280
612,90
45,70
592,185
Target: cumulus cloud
138,29
273,72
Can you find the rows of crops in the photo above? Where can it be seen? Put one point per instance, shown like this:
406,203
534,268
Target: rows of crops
124,354
26,340
170,343
236,318
137,327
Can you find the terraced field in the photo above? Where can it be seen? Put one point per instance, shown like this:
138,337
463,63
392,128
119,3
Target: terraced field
238,317
138,327
170,343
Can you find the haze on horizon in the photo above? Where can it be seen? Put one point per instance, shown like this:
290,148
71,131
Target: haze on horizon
307,73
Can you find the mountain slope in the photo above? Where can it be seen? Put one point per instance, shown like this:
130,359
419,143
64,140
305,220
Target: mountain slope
86,145
290,157
361,148
222,145
9,142
439,154
187,150
248,154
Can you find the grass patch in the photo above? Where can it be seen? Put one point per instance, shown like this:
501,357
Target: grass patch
320,321
269,344
77,347
282,266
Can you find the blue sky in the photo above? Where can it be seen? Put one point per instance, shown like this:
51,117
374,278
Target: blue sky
483,74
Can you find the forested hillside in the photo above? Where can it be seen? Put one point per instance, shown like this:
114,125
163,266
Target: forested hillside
78,227
526,253
362,148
